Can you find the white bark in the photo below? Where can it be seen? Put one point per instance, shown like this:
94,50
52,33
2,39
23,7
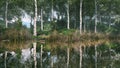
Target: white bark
96,20
6,13
68,17
81,16
41,19
35,19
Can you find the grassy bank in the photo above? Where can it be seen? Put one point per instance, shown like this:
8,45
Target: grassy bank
67,37
12,34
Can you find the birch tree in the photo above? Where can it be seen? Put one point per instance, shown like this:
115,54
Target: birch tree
68,16
6,13
81,1
96,19
35,19
52,12
41,19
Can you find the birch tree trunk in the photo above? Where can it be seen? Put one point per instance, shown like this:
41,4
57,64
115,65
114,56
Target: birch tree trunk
52,12
35,19
110,13
81,16
41,19
96,20
6,13
68,16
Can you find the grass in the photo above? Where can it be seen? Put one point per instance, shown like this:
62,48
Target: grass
73,37
12,34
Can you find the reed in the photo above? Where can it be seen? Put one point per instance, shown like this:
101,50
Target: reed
74,38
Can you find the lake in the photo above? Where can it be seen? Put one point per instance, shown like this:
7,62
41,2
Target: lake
63,55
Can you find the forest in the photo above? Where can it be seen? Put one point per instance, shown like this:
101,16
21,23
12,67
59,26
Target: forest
59,33
64,17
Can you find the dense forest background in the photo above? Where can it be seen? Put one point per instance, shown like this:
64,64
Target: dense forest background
64,16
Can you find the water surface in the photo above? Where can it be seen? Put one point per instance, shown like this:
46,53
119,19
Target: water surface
64,55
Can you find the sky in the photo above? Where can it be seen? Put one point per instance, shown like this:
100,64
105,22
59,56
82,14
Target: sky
26,20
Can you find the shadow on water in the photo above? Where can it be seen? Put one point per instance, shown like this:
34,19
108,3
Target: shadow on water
99,54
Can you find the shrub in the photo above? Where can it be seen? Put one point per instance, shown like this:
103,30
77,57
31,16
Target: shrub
16,35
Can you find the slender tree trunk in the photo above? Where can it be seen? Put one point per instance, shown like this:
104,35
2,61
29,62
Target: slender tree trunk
96,20
41,19
110,13
68,17
52,12
35,19
81,16
6,13
84,26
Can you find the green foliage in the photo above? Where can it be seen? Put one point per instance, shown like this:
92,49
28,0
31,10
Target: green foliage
102,27
44,32
47,26
113,30
67,32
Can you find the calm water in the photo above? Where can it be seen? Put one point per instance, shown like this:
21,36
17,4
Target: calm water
36,55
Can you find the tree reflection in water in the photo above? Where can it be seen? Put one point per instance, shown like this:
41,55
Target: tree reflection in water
34,54
41,51
60,56
5,59
80,50
68,56
95,56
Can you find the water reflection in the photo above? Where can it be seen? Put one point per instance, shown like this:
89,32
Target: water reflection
37,55
80,50
68,56
95,56
41,51
34,54
5,59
